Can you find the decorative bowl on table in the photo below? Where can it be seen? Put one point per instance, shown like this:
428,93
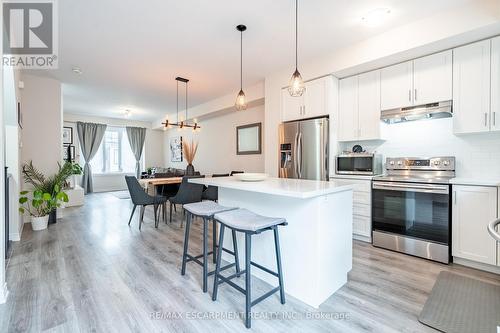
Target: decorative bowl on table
251,177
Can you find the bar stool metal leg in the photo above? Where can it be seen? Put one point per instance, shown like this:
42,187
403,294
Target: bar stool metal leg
278,263
248,275
235,250
214,240
186,240
217,266
205,254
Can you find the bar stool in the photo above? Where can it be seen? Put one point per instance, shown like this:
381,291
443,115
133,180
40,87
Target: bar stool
206,210
245,221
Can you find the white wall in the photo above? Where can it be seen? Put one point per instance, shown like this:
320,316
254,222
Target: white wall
42,123
476,154
153,148
217,143
12,150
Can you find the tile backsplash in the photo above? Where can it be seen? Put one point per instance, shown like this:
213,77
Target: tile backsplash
477,155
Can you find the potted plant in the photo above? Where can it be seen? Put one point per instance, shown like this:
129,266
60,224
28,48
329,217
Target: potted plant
190,150
41,205
51,185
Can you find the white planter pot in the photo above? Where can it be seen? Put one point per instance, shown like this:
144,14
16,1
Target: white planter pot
39,223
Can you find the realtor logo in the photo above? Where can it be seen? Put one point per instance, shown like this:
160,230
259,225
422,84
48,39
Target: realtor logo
30,39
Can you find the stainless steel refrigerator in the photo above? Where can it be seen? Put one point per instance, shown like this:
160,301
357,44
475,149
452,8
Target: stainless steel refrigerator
304,149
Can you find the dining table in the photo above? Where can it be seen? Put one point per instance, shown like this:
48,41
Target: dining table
150,184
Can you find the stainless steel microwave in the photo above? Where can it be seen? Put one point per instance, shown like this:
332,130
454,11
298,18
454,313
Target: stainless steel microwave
359,164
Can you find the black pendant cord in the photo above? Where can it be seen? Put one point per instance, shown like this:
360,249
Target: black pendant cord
177,101
296,33
241,60
186,103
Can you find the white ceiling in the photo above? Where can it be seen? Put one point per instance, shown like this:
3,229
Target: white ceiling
130,51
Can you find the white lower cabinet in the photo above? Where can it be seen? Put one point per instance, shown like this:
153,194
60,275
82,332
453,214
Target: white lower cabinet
473,208
362,207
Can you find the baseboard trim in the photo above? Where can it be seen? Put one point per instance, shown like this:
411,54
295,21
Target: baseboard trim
477,265
365,239
15,237
4,293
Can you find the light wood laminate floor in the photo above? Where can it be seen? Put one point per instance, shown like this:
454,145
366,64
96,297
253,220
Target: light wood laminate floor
90,272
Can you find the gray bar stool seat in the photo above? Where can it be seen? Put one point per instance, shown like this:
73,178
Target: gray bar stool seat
206,210
249,223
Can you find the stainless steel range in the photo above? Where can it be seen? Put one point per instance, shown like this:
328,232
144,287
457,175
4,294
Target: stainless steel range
411,207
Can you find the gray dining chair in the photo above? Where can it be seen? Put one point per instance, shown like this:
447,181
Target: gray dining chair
212,192
188,193
139,197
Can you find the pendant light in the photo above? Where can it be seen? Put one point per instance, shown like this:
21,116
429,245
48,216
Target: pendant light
241,100
183,123
296,87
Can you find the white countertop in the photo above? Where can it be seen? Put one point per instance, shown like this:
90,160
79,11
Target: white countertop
360,177
475,181
296,188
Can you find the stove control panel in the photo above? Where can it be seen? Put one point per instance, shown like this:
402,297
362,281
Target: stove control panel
446,163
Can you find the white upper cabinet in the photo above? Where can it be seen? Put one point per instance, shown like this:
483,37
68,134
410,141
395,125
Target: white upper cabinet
495,84
369,106
316,98
432,78
397,86
359,107
348,109
473,208
315,102
471,88
291,106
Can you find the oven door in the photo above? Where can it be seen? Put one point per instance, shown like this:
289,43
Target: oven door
416,210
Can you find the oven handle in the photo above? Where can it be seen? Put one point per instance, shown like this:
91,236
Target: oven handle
411,187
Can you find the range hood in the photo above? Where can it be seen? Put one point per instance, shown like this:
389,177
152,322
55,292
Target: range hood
426,111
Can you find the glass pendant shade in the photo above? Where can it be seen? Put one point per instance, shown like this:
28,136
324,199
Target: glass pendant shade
296,87
241,101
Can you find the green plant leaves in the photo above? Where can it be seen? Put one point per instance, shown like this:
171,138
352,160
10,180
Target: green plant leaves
23,200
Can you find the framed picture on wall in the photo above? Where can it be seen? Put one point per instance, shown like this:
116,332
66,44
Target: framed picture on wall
176,149
69,149
248,139
67,135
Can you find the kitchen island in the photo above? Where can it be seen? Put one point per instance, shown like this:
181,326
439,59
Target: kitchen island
316,245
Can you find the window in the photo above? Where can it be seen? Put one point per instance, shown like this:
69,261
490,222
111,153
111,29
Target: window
114,154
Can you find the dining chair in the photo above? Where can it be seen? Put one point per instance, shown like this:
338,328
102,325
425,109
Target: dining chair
212,192
140,198
188,193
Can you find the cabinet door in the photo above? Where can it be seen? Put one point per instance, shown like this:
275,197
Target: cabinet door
369,105
291,106
396,86
432,78
495,84
474,207
348,109
471,88
316,98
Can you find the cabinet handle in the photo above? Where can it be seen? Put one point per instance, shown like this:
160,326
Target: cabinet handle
455,197
409,95
485,119
415,95
304,110
494,119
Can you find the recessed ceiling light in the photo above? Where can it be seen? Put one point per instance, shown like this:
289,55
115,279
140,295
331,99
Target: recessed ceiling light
375,17
77,70
128,113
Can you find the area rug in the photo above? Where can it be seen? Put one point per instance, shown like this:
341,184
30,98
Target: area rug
460,304
122,194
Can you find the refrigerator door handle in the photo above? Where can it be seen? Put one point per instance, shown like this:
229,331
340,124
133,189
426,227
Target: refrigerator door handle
295,154
299,157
